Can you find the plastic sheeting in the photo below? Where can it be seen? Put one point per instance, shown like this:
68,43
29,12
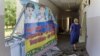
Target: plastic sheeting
39,28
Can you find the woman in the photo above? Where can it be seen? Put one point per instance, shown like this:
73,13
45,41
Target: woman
74,33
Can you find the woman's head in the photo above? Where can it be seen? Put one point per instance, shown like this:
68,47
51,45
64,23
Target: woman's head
29,9
76,20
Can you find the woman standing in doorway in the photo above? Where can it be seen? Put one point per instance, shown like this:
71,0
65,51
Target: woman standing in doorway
74,33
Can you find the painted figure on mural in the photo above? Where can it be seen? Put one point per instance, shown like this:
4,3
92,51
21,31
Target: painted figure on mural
30,21
30,13
41,17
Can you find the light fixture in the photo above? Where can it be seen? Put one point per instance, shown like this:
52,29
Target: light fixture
68,10
37,1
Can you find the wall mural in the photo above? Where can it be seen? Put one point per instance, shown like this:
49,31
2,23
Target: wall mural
39,28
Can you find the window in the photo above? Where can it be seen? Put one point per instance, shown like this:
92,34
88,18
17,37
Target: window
10,16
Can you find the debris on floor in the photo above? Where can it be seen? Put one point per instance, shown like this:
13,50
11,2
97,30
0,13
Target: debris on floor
54,51
72,55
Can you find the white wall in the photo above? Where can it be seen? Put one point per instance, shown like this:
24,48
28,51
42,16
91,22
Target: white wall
1,7
4,51
94,9
93,28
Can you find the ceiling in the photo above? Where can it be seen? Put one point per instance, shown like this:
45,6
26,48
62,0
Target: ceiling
67,5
